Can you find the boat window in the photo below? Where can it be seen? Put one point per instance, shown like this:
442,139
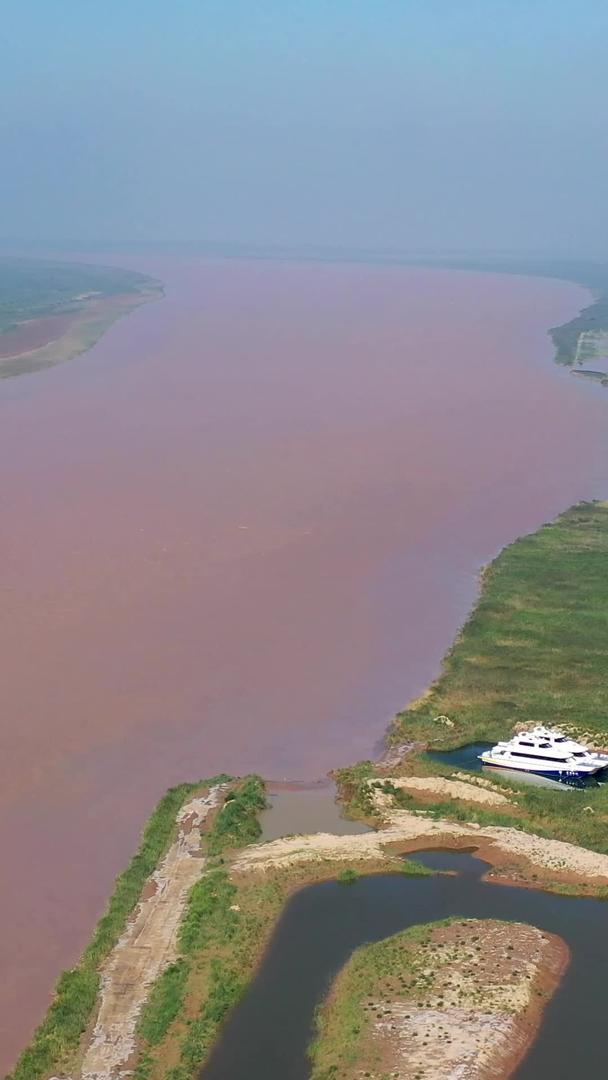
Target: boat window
560,738
546,757
522,743
579,753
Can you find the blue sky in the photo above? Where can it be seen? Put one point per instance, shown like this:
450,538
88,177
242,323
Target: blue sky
418,125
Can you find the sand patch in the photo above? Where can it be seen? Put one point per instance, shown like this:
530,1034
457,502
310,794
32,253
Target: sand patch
446,789
417,830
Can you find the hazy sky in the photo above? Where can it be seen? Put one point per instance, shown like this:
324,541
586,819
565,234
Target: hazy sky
411,124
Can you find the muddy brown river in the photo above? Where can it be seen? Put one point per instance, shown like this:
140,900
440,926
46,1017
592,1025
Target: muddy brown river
239,534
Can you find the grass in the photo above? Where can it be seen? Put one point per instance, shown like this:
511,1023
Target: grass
212,934
223,935
76,992
237,824
348,876
534,649
210,921
343,1021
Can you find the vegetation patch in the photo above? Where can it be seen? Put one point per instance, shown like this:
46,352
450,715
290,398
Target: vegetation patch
237,823
534,649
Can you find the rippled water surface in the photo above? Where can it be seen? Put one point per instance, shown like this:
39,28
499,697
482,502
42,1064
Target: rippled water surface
239,534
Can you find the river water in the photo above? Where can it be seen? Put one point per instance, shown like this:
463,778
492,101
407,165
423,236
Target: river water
267,1034
239,534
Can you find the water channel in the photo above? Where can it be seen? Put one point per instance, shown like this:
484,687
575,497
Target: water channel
267,1034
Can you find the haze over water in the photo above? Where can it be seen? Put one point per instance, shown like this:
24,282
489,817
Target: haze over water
239,534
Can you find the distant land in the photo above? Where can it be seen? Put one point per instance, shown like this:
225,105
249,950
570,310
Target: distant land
53,311
586,336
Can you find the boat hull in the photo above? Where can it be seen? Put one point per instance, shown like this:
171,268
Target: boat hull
551,772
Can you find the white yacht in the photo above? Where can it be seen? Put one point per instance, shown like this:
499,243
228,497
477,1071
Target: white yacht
547,752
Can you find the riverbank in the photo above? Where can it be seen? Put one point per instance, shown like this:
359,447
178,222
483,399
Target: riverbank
52,312
76,333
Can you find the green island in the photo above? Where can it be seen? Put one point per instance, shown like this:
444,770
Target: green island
53,311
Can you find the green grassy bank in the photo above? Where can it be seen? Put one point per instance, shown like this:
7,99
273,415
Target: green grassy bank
535,648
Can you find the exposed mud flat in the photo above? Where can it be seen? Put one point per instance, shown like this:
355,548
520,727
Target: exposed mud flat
241,535
33,334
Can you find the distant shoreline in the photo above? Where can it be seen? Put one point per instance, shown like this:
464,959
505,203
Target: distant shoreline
71,335
51,311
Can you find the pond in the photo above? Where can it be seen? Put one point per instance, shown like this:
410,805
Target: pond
463,757
267,1034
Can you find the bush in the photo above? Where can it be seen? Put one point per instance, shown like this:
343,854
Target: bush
237,823
348,876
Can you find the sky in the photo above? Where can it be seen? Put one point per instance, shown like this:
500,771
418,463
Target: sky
408,125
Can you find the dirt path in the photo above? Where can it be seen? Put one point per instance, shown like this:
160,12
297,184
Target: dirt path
147,947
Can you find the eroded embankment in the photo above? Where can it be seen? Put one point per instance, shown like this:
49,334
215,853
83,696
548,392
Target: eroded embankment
439,1002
